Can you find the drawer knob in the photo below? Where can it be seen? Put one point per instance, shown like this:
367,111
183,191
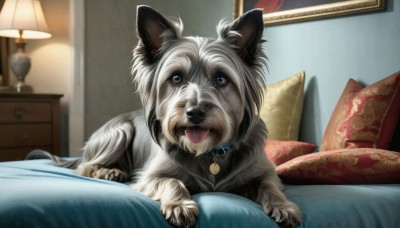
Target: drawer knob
19,114
20,138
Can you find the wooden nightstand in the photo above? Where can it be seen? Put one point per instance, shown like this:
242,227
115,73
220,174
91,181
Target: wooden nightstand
27,122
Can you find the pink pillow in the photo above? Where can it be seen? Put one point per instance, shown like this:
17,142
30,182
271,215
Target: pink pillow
279,152
364,117
346,166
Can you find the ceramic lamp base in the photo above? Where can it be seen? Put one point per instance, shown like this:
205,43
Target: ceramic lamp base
20,64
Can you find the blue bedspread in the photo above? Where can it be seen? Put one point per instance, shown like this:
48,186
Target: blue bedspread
38,194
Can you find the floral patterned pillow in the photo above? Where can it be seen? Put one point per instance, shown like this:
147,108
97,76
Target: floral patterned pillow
345,166
279,152
364,117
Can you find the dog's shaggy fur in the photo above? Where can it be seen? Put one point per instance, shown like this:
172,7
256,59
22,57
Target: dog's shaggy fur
198,94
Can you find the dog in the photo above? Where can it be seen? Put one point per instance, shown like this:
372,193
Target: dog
199,130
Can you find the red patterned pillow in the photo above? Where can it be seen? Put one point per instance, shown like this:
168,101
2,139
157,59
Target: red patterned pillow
279,152
346,166
364,117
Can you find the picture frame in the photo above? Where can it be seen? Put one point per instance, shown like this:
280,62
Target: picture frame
4,62
290,11
4,58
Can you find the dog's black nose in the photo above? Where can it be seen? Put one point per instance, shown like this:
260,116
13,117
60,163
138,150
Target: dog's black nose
196,115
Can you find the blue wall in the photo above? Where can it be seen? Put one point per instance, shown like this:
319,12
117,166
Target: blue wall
364,47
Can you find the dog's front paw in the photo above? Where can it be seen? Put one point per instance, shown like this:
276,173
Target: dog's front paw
286,214
99,172
111,174
182,213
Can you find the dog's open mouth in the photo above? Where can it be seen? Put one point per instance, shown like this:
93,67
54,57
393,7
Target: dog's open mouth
196,134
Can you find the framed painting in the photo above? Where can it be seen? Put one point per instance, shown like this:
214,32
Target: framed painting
4,67
287,11
4,55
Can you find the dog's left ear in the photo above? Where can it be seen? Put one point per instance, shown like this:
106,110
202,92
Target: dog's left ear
153,29
245,34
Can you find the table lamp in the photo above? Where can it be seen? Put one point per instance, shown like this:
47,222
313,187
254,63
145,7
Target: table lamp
22,19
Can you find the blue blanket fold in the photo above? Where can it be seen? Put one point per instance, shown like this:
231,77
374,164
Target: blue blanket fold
37,194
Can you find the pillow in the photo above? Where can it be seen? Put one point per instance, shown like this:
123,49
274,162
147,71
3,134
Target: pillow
279,152
345,166
283,104
364,117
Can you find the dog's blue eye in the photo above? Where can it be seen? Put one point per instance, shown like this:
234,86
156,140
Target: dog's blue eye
221,80
176,79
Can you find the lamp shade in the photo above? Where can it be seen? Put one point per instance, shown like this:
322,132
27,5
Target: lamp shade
23,15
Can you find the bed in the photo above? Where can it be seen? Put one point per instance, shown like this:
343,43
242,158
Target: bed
352,181
37,194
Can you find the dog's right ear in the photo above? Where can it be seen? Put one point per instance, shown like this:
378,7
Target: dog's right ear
153,29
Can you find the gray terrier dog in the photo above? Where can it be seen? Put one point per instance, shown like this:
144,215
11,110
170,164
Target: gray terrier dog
199,130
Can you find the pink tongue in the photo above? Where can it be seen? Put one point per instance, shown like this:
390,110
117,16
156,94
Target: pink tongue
196,134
